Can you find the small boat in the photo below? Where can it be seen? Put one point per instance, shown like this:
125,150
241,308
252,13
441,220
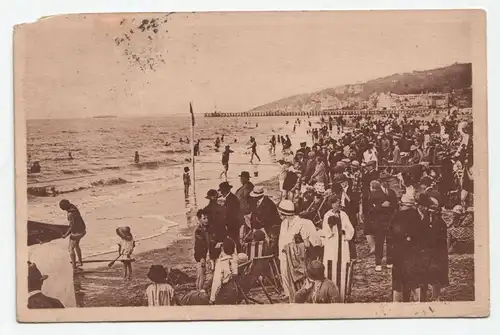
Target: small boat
39,232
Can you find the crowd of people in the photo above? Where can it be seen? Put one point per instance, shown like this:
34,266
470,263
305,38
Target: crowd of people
388,178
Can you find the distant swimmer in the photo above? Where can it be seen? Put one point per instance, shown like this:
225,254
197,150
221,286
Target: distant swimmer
222,138
70,155
136,158
225,161
235,140
35,167
167,144
181,140
187,140
256,125
217,143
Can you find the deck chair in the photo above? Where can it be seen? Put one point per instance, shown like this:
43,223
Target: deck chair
259,252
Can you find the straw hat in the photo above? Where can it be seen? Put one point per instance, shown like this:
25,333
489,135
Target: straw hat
458,209
286,207
124,233
257,192
242,258
157,273
319,188
355,163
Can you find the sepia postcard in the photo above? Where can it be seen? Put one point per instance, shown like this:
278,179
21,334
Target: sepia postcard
250,165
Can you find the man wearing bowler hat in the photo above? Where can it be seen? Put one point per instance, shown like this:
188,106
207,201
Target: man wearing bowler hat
234,217
36,299
243,194
216,215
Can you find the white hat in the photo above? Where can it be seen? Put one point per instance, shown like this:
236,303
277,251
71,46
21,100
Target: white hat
286,207
319,188
257,192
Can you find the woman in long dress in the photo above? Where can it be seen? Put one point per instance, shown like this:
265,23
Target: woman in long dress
332,220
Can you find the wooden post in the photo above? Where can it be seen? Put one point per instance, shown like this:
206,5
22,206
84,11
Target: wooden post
192,147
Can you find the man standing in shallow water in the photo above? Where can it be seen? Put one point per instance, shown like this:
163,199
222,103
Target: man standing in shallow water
76,232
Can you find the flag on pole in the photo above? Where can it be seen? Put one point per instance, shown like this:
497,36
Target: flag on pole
192,114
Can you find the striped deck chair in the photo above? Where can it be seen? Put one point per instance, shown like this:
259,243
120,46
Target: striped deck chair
259,251
250,274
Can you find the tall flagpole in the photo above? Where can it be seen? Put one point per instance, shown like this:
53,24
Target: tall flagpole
192,147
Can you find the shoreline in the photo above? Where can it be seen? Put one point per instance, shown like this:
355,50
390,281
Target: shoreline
104,287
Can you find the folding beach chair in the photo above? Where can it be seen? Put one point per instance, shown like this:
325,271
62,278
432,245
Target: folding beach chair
249,274
258,253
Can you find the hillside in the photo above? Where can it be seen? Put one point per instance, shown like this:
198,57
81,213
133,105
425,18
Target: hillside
456,79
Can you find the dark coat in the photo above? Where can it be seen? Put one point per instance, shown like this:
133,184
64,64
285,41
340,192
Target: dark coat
243,195
378,215
410,259
234,217
265,215
216,215
39,300
204,243
434,240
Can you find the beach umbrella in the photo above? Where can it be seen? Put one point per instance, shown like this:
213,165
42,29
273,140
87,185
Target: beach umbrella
39,232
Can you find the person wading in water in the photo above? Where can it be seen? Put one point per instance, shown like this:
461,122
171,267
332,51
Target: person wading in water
76,232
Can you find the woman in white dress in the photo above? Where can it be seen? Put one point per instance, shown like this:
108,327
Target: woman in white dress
330,234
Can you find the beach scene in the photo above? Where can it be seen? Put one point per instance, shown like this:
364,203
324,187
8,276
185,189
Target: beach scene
186,159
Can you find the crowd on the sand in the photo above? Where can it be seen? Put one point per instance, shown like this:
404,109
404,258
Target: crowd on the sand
390,177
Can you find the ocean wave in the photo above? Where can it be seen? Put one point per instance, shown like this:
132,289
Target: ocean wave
175,151
109,182
78,171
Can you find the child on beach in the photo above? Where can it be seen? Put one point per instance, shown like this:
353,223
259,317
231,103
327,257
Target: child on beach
187,181
125,249
159,292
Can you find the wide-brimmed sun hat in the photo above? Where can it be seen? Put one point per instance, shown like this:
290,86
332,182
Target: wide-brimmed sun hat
157,273
212,194
34,275
286,207
355,163
257,192
319,188
458,209
316,270
124,233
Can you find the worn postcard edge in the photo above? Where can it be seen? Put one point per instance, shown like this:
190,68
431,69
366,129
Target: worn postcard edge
478,308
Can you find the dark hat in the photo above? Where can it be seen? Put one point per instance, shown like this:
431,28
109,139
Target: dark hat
64,204
259,235
245,174
316,270
124,232
212,194
157,273
338,169
303,144
225,186
34,275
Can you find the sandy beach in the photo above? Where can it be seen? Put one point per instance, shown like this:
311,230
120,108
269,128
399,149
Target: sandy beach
151,202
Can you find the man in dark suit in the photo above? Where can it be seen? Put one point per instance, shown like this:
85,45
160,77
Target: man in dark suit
234,217
243,195
36,299
216,215
265,213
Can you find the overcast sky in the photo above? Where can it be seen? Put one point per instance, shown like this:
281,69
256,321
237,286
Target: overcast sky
73,67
